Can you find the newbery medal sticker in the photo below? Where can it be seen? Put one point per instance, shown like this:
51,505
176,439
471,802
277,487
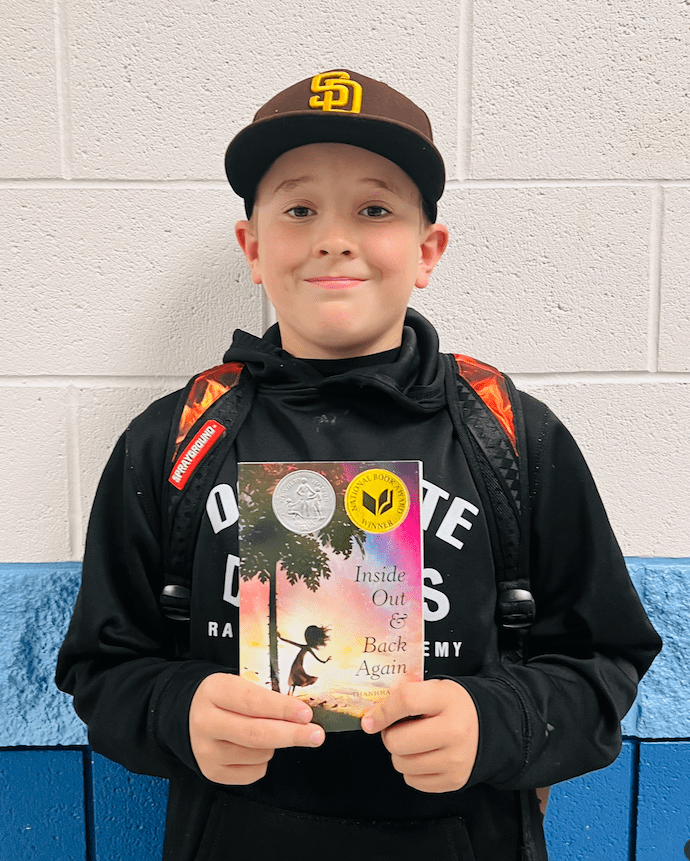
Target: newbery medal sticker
304,501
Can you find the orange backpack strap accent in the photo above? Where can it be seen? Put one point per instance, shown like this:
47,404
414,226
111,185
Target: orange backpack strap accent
209,414
202,393
490,385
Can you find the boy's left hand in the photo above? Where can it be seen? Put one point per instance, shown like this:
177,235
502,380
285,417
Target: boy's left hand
435,744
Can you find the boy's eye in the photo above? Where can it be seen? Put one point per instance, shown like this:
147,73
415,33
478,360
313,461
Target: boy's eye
375,211
300,211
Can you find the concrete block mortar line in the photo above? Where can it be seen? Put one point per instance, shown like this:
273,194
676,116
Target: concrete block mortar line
119,184
62,76
91,381
123,183
656,232
89,812
75,508
603,378
569,182
634,800
464,104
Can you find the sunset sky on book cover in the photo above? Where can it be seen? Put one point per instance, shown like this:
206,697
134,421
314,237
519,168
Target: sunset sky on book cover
342,628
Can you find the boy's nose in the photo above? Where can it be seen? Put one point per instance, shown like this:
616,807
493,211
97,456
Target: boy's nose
334,241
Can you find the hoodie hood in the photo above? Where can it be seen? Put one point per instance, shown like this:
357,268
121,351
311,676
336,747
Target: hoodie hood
414,381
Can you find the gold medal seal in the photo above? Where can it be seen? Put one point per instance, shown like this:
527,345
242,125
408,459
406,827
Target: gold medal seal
377,500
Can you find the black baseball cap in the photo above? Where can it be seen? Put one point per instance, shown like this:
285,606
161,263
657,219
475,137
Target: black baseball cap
338,107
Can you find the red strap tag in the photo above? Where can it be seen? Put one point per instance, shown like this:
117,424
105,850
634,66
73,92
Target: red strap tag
195,452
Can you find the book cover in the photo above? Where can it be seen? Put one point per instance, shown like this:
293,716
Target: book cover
331,582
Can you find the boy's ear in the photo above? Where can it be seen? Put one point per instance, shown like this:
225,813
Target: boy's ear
434,243
248,242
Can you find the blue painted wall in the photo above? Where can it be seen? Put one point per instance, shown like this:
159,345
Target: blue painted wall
42,805
61,802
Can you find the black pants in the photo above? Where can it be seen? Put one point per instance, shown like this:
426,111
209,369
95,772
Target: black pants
238,829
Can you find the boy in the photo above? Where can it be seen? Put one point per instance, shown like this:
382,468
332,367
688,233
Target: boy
340,180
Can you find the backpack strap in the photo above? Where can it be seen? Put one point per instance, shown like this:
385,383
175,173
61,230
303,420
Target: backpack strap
486,412
487,415
207,418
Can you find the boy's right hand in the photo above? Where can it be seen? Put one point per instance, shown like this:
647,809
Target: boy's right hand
235,727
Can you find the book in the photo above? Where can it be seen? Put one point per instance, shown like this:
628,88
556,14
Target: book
331,582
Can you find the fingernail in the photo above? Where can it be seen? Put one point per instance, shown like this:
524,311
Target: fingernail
317,737
305,715
367,724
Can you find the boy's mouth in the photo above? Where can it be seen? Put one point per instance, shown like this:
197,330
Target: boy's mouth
338,282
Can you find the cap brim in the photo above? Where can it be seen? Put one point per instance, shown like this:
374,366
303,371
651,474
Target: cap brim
257,146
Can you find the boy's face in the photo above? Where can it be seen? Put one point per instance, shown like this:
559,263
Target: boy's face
338,241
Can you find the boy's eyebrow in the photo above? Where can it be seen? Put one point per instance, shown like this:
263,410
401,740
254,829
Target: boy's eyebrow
379,183
289,184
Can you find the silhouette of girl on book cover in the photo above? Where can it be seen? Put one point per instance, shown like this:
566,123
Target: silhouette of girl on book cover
316,638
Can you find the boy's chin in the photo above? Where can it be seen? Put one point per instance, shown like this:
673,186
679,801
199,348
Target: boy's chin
343,332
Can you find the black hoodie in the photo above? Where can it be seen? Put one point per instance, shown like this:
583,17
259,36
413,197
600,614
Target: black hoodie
547,721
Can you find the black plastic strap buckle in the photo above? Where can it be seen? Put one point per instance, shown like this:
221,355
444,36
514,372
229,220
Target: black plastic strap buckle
175,601
516,608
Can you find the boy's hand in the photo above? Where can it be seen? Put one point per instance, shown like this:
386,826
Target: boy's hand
235,727
435,745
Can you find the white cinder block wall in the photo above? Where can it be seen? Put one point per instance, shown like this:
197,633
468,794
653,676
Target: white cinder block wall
566,132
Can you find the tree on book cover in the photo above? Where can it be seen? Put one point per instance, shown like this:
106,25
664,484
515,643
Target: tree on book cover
330,594
268,547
